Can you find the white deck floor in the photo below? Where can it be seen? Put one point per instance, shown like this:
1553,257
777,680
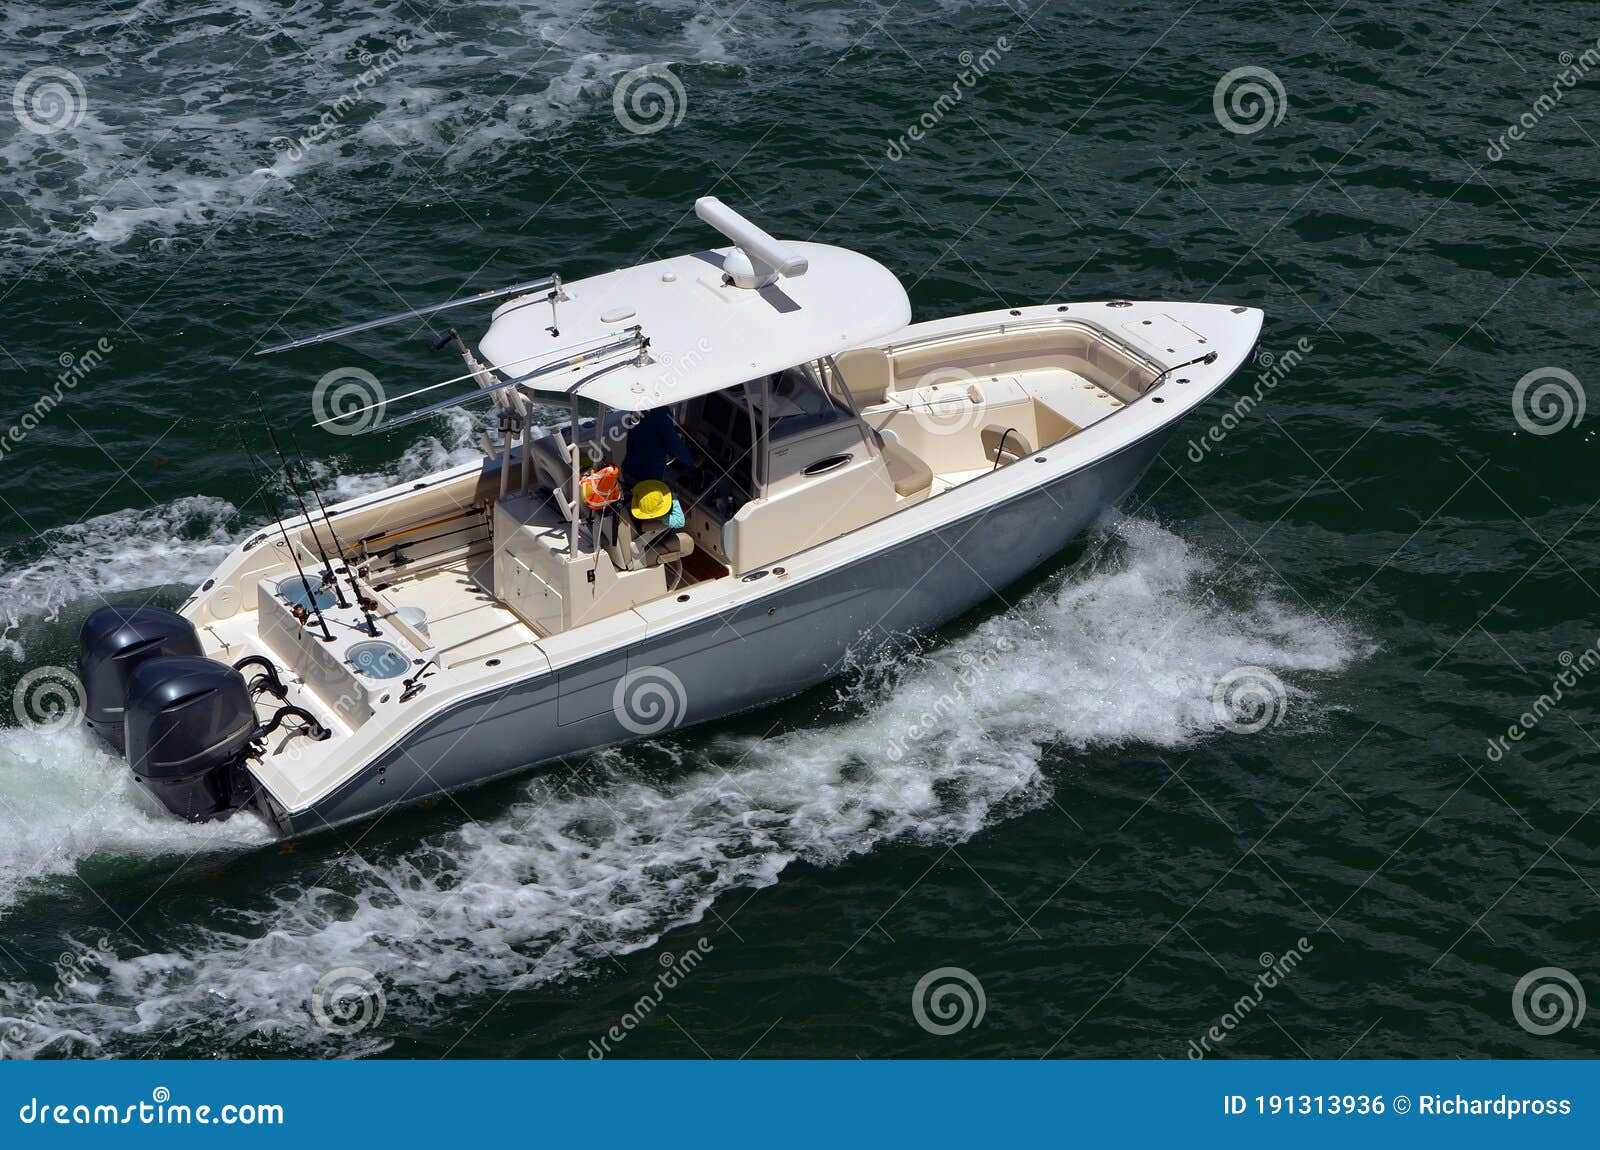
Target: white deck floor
465,621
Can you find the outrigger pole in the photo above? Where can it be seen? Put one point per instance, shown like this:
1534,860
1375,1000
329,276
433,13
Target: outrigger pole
550,283
566,359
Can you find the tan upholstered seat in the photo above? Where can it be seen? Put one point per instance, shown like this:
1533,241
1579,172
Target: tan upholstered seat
867,374
632,550
669,548
1015,443
909,474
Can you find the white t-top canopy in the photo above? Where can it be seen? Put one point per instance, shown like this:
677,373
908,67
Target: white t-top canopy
705,334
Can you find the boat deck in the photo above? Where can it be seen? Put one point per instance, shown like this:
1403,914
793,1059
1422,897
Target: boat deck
1038,406
465,621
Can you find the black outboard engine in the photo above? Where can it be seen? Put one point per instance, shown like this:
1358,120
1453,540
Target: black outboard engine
189,724
114,641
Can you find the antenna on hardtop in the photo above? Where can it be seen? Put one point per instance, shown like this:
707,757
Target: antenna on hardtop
758,260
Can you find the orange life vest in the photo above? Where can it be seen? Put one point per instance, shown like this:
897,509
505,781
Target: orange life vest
600,487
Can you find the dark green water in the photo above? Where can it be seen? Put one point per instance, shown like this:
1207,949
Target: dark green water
1082,835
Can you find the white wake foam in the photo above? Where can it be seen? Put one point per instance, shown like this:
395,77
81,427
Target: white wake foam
196,113
110,553
64,798
456,444
931,745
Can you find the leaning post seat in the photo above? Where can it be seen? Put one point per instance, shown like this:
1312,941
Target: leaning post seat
630,550
909,473
868,375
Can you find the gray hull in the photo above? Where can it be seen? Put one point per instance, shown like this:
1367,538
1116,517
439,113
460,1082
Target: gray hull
793,637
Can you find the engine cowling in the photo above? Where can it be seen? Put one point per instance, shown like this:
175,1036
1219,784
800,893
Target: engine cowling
188,726
114,641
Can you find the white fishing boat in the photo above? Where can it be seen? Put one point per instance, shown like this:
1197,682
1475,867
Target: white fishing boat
841,475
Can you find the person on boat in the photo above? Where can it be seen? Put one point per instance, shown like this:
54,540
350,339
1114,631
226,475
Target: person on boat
654,441
653,506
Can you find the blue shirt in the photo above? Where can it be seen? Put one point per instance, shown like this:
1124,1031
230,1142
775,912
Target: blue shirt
652,442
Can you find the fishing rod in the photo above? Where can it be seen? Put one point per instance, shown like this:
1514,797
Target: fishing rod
327,567
355,587
272,509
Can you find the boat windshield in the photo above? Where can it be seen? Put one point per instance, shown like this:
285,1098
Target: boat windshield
799,400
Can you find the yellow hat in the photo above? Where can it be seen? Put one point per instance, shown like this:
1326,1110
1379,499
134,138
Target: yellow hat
651,499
